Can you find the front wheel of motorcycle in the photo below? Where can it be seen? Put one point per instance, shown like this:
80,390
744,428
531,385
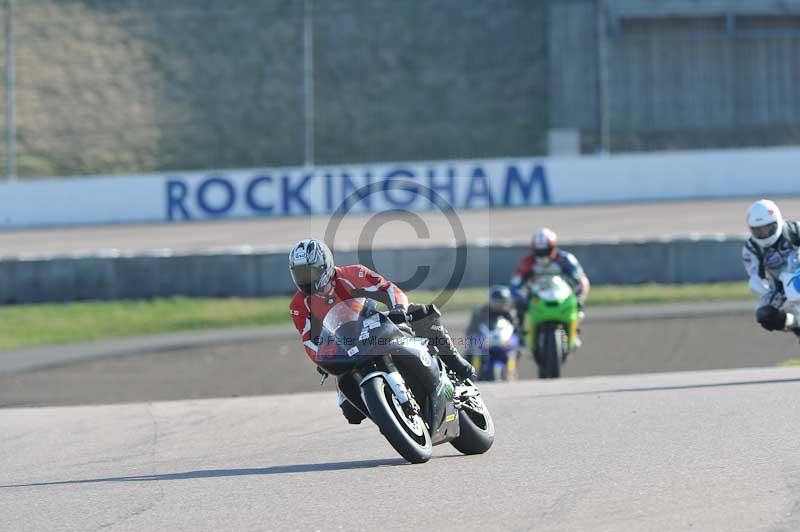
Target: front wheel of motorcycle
550,352
407,434
476,434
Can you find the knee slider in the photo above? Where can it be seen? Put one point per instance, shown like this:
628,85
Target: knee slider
351,413
771,318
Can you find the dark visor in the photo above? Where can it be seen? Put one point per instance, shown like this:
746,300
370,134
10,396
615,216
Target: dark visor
306,275
764,231
543,252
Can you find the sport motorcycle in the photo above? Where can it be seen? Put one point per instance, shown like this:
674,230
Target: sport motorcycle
403,387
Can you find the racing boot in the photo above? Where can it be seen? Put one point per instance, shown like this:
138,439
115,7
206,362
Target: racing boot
352,414
792,323
453,360
426,322
477,364
574,336
450,355
578,343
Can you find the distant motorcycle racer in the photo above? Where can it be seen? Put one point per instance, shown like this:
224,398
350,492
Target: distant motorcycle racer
321,285
499,306
547,259
771,261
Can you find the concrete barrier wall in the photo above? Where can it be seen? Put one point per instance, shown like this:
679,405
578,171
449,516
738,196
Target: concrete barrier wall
254,275
414,186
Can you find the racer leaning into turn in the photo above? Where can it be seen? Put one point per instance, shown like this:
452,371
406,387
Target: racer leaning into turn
771,260
546,258
321,285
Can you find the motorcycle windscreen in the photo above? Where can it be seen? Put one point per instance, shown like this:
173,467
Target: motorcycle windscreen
552,288
346,311
352,330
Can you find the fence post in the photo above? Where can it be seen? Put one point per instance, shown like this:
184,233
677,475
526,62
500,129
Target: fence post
308,81
11,126
603,75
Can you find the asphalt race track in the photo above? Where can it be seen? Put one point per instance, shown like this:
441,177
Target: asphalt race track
204,437
616,341
690,451
573,223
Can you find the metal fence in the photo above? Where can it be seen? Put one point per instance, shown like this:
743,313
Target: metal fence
127,86
643,75
144,85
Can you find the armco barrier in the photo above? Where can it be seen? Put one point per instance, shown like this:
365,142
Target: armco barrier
254,274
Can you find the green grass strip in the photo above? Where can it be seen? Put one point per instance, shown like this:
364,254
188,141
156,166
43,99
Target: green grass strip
46,324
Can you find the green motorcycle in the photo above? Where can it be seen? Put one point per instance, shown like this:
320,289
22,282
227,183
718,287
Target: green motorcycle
552,324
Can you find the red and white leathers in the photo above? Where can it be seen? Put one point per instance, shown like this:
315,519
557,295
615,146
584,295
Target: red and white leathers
559,263
348,282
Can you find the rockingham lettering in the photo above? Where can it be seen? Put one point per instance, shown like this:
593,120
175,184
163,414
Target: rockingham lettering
216,188
400,180
416,187
251,196
479,188
293,194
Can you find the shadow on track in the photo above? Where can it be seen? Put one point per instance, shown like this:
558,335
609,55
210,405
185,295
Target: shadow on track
667,388
218,473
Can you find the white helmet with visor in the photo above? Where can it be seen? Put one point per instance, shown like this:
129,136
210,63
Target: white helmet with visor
766,222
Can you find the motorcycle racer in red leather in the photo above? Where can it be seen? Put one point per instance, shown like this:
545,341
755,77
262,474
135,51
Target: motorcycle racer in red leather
321,285
546,258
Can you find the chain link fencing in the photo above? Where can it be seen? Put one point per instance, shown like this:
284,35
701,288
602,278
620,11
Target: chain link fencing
135,86
142,85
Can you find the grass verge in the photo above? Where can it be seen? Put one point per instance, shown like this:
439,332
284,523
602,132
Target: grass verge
790,363
45,324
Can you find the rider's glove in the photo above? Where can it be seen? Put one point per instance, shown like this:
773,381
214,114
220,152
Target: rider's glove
398,315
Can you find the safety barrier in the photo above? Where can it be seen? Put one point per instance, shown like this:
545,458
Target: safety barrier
413,186
263,274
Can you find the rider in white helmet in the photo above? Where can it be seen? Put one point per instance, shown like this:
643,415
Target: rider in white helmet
771,260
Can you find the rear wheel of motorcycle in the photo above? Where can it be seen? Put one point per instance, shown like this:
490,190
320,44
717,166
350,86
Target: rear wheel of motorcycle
550,353
476,434
408,436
